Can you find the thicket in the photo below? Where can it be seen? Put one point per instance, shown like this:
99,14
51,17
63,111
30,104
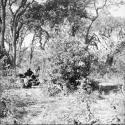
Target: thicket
70,62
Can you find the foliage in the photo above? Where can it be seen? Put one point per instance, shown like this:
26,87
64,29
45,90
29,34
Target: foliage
7,79
5,60
55,11
54,91
9,82
70,62
16,101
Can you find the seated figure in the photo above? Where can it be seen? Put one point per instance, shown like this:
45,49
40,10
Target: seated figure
30,79
28,73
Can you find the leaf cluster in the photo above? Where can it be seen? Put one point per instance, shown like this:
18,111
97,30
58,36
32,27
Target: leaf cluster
70,62
54,12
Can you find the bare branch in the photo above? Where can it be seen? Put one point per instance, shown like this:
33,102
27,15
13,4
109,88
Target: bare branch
10,6
99,8
21,6
19,14
20,25
87,39
47,38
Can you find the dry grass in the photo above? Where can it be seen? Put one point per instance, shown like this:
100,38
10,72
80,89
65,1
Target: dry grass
33,107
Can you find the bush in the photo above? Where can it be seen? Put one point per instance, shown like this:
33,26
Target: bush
17,101
70,62
5,60
9,82
53,91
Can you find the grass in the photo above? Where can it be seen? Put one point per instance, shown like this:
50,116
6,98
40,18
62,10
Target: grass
35,106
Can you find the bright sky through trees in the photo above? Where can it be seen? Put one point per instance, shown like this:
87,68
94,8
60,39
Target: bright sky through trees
118,11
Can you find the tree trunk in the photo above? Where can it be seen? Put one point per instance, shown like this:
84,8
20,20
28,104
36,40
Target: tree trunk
109,60
14,47
3,16
14,56
32,49
43,68
31,54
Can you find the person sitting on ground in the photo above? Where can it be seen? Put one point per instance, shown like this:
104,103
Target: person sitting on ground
30,79
29,73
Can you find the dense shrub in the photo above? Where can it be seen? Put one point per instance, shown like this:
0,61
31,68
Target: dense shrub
70,62
5,60
9,82
16,101
53,91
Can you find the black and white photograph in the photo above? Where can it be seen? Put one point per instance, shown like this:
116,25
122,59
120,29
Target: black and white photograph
62,62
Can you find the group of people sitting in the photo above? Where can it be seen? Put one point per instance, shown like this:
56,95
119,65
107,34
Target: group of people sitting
29,78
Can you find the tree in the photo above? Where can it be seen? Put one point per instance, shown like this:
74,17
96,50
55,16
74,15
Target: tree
52,14
3,4
109,28
89,36
17,22
32,49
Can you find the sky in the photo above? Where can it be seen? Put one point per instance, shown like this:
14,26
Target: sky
118,11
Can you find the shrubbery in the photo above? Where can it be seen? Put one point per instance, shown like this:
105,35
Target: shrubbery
70,62
53,91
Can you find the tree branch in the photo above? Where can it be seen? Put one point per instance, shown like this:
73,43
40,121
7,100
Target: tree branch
10,5
87,39
47,38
